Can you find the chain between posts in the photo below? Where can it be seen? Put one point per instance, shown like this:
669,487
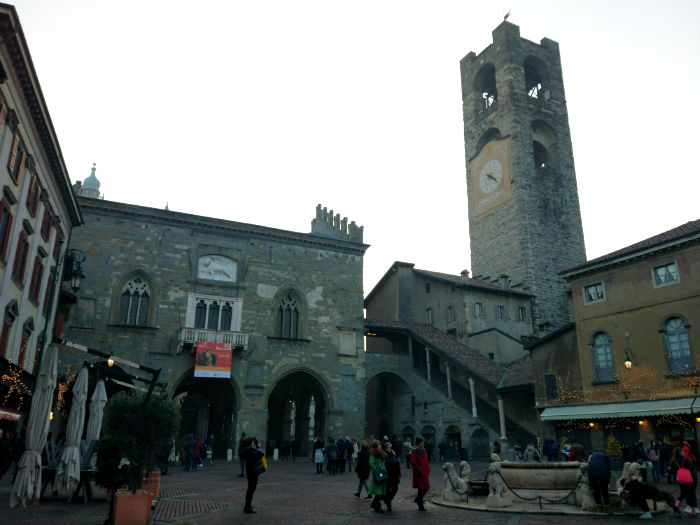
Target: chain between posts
540,498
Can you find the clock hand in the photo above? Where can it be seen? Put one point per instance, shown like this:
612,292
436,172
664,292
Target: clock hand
492,177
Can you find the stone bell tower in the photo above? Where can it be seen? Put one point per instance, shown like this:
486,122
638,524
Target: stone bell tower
524,216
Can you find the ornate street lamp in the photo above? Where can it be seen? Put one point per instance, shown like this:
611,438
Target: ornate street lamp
75,258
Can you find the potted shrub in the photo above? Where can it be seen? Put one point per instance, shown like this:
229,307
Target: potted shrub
134,433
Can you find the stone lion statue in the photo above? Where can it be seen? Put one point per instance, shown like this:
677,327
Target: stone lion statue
497,497
583,495
456,487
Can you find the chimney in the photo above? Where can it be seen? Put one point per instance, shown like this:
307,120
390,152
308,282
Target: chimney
464,276
504,281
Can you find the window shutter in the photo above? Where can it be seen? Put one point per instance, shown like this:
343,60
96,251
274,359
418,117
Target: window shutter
3,114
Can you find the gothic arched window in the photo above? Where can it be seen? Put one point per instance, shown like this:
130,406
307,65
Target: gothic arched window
134,303
287,324
602,357
680,359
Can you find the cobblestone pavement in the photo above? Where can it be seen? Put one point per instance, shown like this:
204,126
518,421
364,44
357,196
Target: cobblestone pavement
289,493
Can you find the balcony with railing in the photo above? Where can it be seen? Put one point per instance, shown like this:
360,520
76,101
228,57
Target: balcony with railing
191,336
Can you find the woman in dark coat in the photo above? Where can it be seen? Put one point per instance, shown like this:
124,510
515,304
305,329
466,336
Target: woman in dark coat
252,455
421,471
362,469
392,463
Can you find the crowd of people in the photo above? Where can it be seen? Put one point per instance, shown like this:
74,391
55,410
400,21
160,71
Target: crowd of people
377,465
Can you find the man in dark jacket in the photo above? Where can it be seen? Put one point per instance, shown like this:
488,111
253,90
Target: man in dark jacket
252,455
599,478
331,452
340,445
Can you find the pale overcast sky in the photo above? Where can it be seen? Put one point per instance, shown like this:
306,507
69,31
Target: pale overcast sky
256,111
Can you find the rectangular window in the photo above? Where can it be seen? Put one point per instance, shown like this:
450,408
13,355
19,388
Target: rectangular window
522,314
47,222
550,387
50,289
429,314
33,195
5,227
37,274
450,314
665,274
500,312
20,264
427,287
478,310
593,293
15,163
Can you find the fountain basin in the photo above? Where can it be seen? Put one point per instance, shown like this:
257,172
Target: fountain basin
541,476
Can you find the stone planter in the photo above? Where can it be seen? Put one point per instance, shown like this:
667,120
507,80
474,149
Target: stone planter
132,509
541,476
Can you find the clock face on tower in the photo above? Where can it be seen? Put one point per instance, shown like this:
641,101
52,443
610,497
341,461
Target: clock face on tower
491,176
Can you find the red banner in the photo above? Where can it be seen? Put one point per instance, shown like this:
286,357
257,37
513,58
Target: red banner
212,360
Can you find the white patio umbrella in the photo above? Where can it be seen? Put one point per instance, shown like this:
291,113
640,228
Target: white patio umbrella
68,471
27,486
97,405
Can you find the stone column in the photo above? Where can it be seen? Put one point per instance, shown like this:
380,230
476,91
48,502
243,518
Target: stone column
427,362
449,382
471,389
410,350
502,418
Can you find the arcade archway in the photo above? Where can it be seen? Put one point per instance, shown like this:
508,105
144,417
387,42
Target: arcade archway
387,402
296,412
208,407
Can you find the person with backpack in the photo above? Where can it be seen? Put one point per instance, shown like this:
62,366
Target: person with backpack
253,455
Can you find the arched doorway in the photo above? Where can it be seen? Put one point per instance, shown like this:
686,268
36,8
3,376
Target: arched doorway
387,401
408,432
296,412
208,406
454,451
428,434
480,449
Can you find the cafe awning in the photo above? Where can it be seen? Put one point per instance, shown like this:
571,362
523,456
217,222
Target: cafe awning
633,409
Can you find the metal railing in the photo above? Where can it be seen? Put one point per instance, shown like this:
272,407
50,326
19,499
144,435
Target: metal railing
194,335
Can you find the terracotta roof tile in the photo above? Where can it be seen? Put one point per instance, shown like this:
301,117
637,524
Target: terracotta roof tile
469,281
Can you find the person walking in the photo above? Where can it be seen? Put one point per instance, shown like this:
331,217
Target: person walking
686,475
190,444
252,455
421,472
653,453
392,463
407,447
242,461
376,465
599,478
331,452
362,469
318,455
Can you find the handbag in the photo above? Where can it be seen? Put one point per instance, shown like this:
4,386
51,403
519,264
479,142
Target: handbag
683,475
380,476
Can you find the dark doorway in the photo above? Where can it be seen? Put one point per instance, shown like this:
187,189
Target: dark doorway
208,408
388,398
296,413
480,449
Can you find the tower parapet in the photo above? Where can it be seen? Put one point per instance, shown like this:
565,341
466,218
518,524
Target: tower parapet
326,224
